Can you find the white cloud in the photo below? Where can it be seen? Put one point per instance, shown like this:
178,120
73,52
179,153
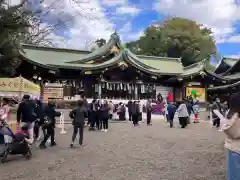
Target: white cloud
89,23
127,34
127,9
216,14
113,2
13,2
232,39
237,56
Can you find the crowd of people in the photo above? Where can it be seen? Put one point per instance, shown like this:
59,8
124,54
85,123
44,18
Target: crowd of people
183,110
36,117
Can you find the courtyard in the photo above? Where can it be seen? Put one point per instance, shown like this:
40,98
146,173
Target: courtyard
126,153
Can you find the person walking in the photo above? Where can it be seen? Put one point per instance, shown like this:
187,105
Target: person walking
171,108
49,124
104,110
27,114
232,141
39,120
135,113
129,106
78,115
217,106
182,114
111,109
149,111
190,109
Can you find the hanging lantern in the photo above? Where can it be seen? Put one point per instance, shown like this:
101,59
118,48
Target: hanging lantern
110,87
96,87
103,85
124,87
121,86
107,85
142,89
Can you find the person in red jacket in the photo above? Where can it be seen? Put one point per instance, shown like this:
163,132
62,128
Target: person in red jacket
170,97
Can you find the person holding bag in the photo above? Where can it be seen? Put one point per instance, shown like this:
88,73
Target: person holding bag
231,128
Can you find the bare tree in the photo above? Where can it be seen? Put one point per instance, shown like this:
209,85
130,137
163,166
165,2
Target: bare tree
44,22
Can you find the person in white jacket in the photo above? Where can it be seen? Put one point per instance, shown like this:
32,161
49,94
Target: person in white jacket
182,114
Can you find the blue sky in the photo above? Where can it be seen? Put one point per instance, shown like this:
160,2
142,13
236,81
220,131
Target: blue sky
99,18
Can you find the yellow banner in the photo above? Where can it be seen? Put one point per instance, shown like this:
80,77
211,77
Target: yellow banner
10,84
30,87
18,84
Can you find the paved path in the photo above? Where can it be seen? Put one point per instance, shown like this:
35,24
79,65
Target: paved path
126,153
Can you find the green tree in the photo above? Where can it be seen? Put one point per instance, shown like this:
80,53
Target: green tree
177,37
13,26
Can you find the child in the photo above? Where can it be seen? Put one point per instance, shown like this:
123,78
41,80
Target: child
196,111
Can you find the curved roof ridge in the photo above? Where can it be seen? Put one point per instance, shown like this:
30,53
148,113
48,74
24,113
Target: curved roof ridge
54,48
225,86
158,57
231,68
129,53
197,64
114,40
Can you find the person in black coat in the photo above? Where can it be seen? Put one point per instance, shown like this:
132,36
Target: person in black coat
189,108
104,115
49,124
94,107
171,108
135,113
27,114
79,115
129,105
39,120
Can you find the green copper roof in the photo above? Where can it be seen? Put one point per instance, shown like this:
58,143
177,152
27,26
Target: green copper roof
113,41
74,59
163,64
46,55
193,69
84,66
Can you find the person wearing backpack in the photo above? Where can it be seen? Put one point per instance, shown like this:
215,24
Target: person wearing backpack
49,123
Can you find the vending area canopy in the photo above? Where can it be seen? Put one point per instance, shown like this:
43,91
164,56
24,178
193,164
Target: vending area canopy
17,87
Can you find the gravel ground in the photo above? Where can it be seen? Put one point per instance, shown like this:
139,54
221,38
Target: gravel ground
127,153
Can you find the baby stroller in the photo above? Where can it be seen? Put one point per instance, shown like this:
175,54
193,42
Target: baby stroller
17,144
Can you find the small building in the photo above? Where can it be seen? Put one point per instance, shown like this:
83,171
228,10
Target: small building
228,70
114,72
